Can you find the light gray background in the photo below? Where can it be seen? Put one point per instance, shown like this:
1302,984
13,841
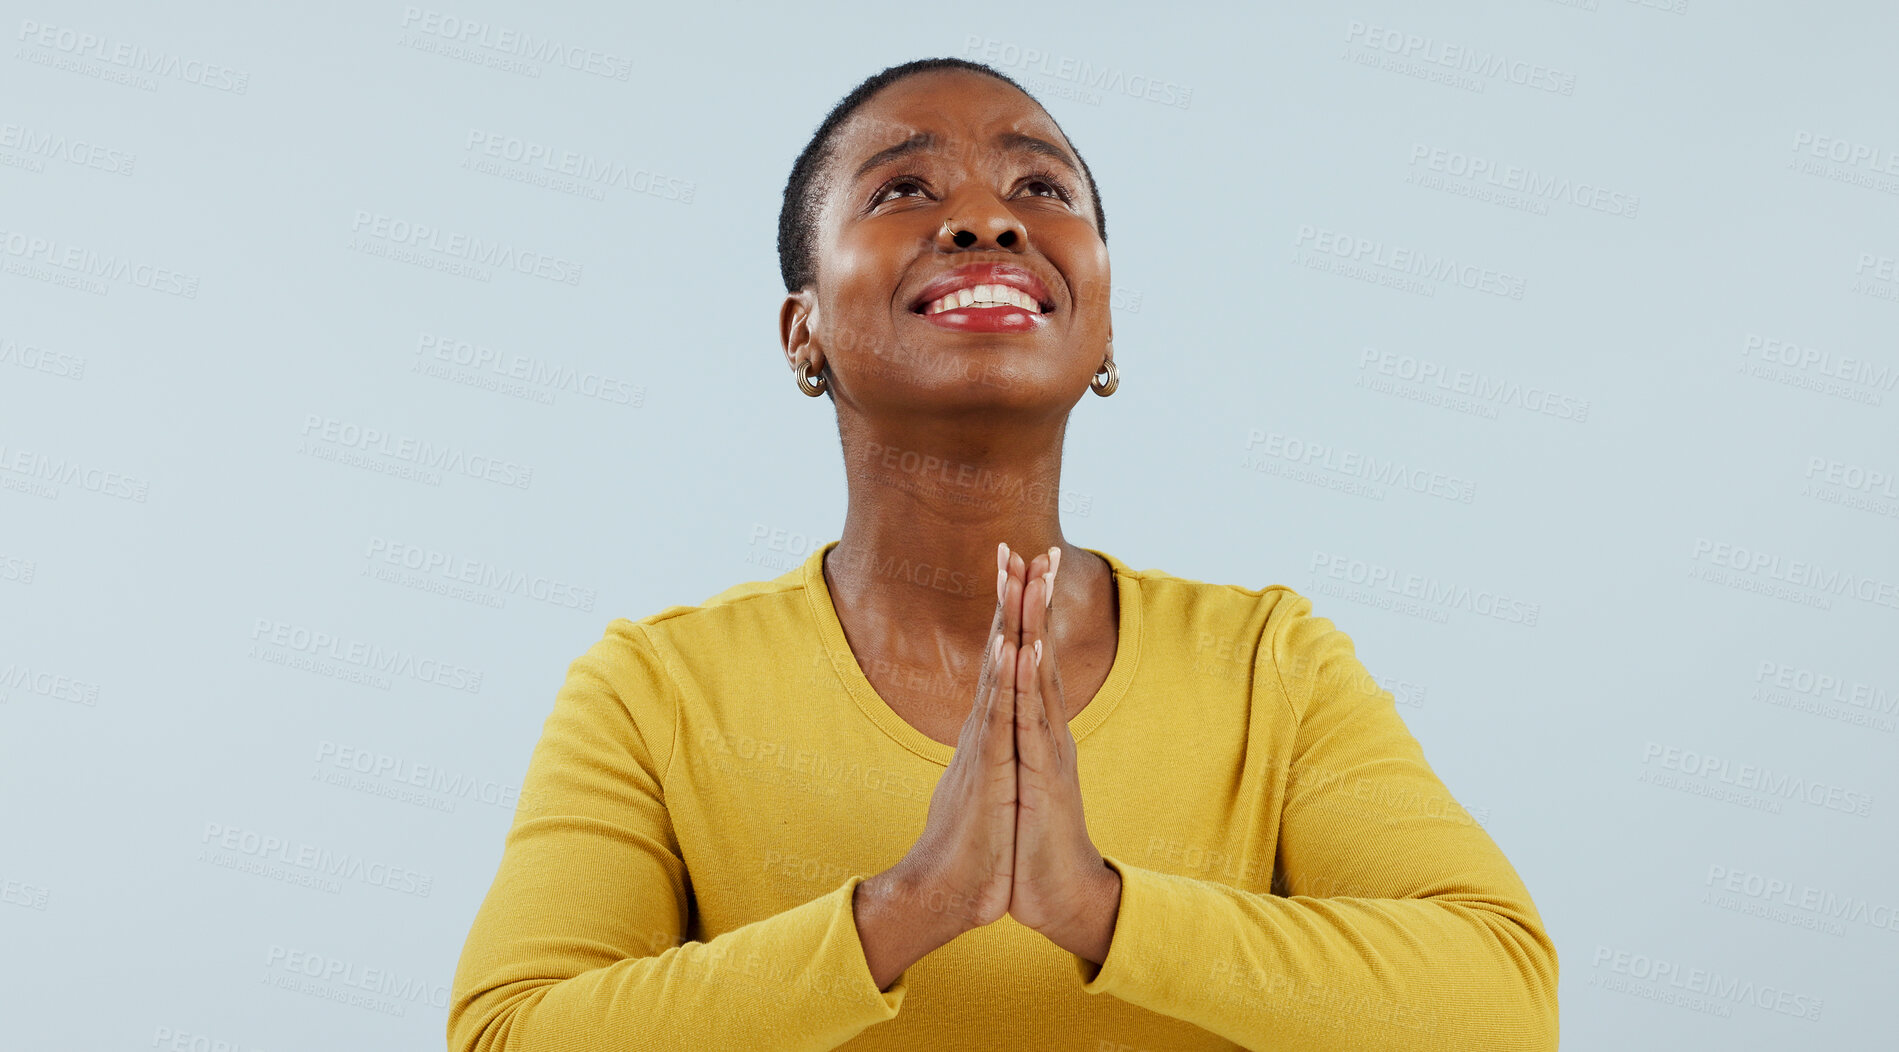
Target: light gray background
171,508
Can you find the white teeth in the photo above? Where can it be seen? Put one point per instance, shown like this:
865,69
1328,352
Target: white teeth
984,295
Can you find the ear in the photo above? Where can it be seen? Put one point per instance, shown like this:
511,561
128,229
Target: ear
796,329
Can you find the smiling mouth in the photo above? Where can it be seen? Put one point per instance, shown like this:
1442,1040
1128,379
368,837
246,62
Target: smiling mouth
979,297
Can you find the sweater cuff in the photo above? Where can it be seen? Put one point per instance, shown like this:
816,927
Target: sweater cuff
842,956
1142,965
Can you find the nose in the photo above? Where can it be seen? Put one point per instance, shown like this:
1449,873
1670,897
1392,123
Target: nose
980,220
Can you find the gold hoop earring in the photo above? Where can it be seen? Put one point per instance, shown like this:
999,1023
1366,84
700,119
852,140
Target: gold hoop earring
1104,389
805,383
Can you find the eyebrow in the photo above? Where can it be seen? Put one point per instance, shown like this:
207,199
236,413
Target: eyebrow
1016,141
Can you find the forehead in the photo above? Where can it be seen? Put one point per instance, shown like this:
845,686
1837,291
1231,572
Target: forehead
963,112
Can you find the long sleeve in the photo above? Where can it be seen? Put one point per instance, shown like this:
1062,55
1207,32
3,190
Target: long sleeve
577,943
1413,932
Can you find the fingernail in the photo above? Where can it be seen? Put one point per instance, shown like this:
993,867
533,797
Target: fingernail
1002,556
1054,560
1048,589
1002,580
1037,660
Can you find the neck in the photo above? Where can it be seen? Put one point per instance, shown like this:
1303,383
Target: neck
927,508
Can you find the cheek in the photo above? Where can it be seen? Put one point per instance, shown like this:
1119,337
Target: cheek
864,271
857,299
1098,281
1075,250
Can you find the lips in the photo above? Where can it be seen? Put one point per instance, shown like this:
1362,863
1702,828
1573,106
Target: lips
971,275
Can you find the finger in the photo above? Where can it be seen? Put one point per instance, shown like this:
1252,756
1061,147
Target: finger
1002,580
1033,744
1017,577
1035,600
1049,688
999,729
982,706
1035,618
1051,671
1048,674
1019,570
986,674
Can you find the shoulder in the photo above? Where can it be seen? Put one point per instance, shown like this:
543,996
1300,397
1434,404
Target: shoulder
1192,600
636,669
1275,624
736,615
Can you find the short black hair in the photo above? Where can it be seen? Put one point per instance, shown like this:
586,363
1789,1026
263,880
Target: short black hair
797,216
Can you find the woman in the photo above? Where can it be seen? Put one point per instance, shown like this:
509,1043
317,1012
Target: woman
876,803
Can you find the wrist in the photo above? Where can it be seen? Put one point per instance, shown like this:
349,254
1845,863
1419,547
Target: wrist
1090,933
929,905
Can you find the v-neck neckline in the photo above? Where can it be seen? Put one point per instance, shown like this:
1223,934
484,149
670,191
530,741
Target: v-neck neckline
1127,654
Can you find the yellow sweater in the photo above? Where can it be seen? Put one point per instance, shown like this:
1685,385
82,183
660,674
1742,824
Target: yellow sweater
714,780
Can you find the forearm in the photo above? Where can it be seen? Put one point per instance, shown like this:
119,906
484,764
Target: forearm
1332,973
900,920
795,980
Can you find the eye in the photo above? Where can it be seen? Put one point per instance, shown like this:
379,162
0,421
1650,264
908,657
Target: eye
883,191
1047,181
